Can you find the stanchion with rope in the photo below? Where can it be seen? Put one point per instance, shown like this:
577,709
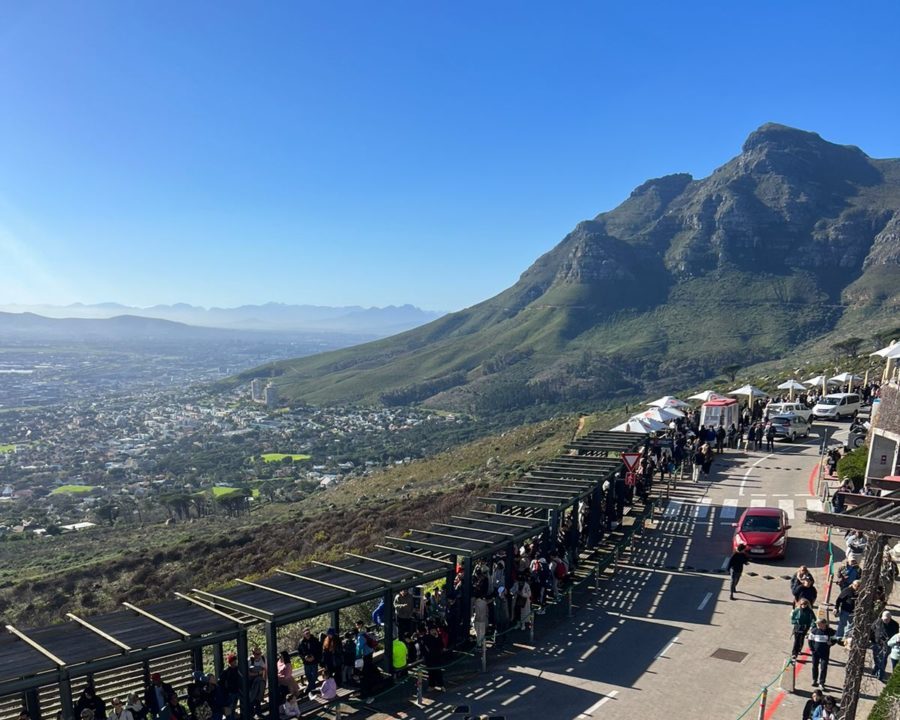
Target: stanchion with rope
762,703
788,677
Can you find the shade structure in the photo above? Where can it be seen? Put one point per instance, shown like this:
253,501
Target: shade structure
750,390
639,425
668,401
663,415
846,377
706,396
792,385
819,380
891,351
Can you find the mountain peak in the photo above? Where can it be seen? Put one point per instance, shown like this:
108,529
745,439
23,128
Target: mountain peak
782,136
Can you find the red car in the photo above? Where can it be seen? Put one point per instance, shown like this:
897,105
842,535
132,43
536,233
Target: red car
764,531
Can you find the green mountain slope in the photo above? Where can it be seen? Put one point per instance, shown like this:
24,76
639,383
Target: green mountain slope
792,239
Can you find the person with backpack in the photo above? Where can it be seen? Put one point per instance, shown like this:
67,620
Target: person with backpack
802,620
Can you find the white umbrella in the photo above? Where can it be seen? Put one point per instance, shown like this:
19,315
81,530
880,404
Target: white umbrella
706,396
749,390
661,415
818,380
668,401
892,350
639,425
792,385
846,377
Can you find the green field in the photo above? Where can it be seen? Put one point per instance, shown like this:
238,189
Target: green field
7,448
72,489
278,457
218,491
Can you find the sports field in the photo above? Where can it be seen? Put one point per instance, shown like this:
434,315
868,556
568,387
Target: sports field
278,457
72,489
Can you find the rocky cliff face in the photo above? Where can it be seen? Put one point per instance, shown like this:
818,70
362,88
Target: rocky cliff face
780,245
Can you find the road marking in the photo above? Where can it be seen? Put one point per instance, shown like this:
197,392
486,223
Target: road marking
705,600
780,495
759,502
814,504
729,509
703,508
788,507
725,562
750,469
597,705
666,649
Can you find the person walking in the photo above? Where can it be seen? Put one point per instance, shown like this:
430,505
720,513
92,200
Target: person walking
770,437
736,566
821,638
802,620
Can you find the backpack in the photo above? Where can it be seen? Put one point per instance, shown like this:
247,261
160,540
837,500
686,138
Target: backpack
371,642
561,570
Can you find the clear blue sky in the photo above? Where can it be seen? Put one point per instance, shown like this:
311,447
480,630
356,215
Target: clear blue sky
385,152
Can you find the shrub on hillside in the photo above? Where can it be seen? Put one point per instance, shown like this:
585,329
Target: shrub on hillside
853,466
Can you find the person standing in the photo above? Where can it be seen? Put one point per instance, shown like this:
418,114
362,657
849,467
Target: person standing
883,629
802,620
736,567
310,651
770,437
846,606
821,638
365,648
433,652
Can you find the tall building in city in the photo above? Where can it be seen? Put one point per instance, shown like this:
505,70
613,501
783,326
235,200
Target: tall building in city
256,390
271,396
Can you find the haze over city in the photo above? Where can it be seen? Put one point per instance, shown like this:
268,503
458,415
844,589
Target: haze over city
350,153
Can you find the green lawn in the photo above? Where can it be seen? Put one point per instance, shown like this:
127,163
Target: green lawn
74,489
7,448
218,491
278,457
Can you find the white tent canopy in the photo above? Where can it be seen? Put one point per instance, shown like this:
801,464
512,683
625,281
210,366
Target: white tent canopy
891,351
846,377
749,390
818,380
663,415
668,401
639,425
706,396
792,385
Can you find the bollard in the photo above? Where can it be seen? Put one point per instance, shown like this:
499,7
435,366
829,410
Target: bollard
570,601
597,578
483,656
337,711
419,698
531,629
762,704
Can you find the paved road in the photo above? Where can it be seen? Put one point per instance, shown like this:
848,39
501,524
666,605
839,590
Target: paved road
649,644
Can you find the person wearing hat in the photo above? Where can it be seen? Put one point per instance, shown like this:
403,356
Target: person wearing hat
821,638
156,695
883,629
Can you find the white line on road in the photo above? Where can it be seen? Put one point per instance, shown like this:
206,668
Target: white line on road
725,562
706,599
597,705
814,504
750,469
666,649
703,508
729,509
758,502
788,507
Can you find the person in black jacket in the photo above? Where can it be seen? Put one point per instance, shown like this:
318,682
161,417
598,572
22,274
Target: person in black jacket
230,681
736,567
156,696
433,652
883,629
814,701
89,700
310,651
845,605
821,638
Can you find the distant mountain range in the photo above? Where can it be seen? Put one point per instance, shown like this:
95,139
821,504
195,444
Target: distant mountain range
794,239
352,320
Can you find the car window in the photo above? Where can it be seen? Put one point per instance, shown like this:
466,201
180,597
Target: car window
761,523
828,401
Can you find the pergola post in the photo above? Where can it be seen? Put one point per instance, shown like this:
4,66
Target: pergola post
218,660
65,697
466,599
32,703
388,655
508,564
145,672
243,654
336,622
197,659
272,667
594,518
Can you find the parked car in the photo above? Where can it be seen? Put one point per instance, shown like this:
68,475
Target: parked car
789,427
764,531
836,406
788,408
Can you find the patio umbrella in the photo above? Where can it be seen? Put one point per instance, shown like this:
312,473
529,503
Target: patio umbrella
662,415
819,380
889,353
749,390
639,425
846,377
706,396
668,401
792,385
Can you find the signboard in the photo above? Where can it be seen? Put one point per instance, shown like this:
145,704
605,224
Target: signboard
631,460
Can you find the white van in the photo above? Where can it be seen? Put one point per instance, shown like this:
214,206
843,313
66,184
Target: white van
836,406
788,408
